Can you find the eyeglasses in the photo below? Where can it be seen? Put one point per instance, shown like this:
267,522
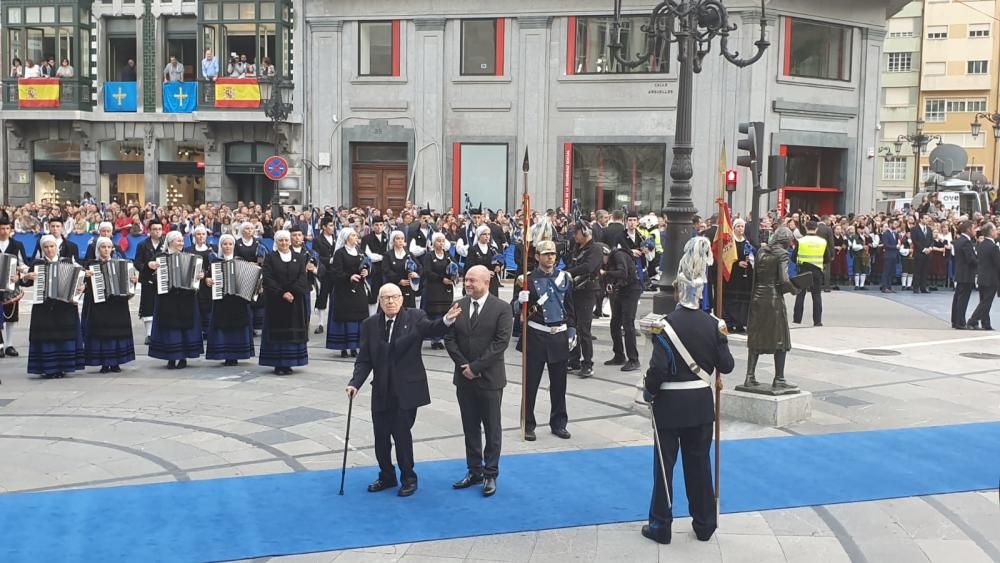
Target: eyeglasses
390,298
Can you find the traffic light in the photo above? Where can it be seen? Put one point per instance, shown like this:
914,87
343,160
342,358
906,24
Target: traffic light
730,180
753,144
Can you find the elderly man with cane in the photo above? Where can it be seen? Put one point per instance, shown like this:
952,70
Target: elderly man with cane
390,348
689,345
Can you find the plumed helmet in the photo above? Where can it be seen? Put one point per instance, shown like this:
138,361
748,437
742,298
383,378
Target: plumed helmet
691,277
541,230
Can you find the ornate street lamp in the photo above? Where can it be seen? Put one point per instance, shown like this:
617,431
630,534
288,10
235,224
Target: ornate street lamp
272,94
692,25
918,141
993,118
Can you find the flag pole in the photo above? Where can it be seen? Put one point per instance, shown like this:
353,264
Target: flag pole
526,203
724,219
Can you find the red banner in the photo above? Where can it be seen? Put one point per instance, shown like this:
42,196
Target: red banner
567,176
237,93
781,202
38,92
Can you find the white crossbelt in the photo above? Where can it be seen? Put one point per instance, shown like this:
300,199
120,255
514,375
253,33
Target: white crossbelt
549,329
684,354
678,385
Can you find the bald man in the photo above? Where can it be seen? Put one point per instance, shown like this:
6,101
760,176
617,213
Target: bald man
476,345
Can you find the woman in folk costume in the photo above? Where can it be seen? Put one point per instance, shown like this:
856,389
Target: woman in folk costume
396,271
176,319
286,283
252,250
199,246
439,275
737,289
230,333
838,268
481,254
108,328
55,340
349,272
906,254
860,255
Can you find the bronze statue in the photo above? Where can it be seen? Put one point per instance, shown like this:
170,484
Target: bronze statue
767,330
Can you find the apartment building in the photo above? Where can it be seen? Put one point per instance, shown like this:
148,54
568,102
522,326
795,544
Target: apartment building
896,174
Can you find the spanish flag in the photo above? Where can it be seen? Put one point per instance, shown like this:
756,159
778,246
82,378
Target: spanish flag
237,93
724,247
38,92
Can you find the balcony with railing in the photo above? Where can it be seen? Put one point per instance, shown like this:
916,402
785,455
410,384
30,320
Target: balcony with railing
49,94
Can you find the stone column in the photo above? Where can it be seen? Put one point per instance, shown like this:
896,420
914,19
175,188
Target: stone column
18,157
869,87
428,76
88,169
322,85
533,100
151,169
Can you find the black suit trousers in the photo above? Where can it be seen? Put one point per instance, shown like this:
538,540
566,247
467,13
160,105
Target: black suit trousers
816,291
960,303
393,425
623,310
584,302
982,312
557,390
325,289
480,410
920,271
694,443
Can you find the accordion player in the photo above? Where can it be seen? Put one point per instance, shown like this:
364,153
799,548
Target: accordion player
112,279
10,290
55,341
236,277
60,281
178,271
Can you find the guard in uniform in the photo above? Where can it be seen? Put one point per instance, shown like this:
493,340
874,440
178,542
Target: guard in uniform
145,256
688,346
551,335
586,271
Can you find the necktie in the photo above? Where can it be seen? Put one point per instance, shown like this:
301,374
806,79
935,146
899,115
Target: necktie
388,329
475,311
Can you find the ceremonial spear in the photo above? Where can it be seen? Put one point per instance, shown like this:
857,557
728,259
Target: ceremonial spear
526,204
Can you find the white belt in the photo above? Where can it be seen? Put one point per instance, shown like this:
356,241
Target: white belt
549,329
678,385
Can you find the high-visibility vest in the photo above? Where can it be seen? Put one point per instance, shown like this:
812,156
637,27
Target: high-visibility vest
811,250
656,239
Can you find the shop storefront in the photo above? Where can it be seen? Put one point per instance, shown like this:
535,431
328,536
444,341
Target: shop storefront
122,172
814,180
56,169
614,176
182,173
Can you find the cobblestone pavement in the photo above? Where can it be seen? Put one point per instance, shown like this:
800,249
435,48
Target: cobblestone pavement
877,363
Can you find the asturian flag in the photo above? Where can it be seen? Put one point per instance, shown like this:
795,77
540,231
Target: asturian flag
180,97
120,97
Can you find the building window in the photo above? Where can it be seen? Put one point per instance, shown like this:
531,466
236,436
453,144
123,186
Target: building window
590,36
817,50
977,105
979,30
977,67
615,176
955,106
480,172
974,169
900,34
482,47
894,169
257,29
378,49
934,110
937,32
925,171
900,62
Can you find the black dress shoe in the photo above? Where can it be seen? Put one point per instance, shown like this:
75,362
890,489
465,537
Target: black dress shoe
489,486
572,367
434,346
343,353
380,485
817,324
10,351
354,353
631,365
585,372
529,435
230,363
181,364
959,327
562,433
2,352
616,361
319,330
172,364
469,480
407,489
116,369
105,369
648,533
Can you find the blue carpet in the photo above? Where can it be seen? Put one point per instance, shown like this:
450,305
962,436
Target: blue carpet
249,517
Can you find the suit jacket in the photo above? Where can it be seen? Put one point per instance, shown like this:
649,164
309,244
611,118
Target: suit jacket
482,345
398,366
988,254
825,232
965,260
921,241
325,252
614,236
890,242
15,248
699,332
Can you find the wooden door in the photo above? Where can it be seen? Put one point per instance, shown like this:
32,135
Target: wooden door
379,185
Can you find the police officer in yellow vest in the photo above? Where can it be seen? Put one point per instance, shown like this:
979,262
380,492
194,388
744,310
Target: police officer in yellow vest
809,257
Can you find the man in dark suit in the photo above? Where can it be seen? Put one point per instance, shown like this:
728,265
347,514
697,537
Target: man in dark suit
682,403
923,239
988,269
9,245
890,249
477,345
965,274
825,231
614,232
390,347
146,265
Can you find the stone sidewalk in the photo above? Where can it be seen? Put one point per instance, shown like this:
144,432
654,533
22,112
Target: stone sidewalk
149,424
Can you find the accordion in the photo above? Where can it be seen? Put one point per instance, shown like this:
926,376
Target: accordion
112,279
58,281
178,271
8,269
236,277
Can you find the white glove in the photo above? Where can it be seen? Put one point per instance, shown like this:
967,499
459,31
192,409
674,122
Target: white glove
523,296
571,337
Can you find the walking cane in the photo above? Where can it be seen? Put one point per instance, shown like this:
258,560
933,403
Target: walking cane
347,441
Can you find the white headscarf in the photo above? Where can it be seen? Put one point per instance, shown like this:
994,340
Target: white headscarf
282,234
392,239
45,239
342,237
171,237
223,238
480,230
105,225
103,240
440,235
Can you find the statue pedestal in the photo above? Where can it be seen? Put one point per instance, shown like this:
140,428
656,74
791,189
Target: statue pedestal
767,410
